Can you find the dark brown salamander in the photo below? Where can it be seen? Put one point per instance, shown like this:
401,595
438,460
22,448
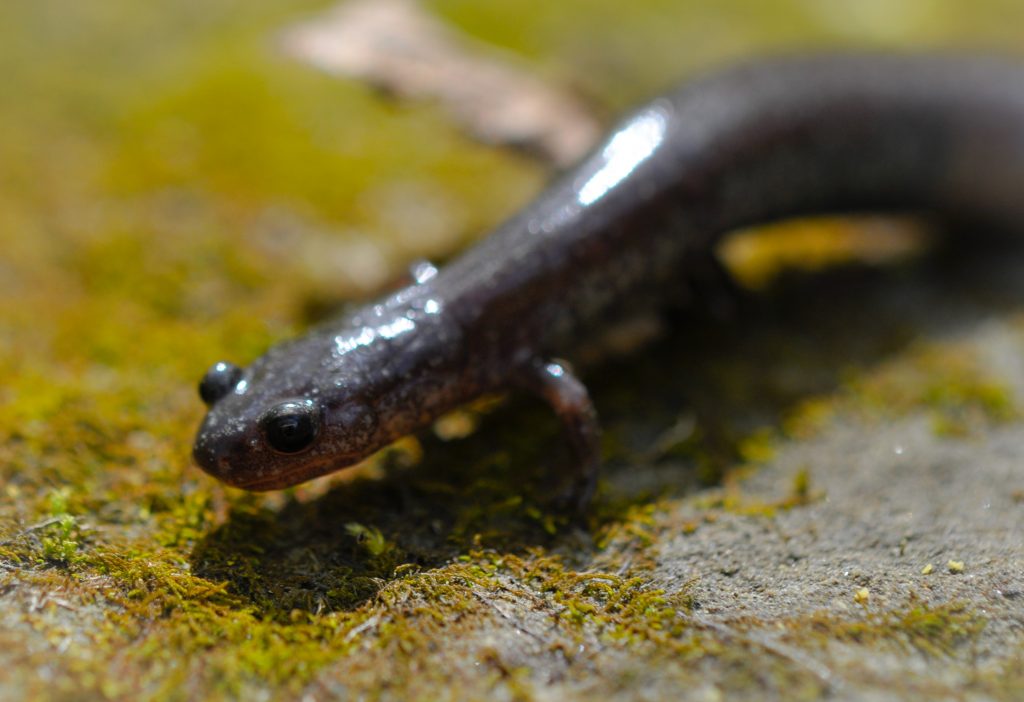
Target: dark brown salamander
763,141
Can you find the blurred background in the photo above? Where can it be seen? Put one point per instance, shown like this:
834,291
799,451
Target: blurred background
180,125
170,161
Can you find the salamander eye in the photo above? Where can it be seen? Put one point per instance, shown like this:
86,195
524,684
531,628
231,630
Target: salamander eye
220,379
291,427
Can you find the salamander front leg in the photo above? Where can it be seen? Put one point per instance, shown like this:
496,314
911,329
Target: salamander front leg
555,383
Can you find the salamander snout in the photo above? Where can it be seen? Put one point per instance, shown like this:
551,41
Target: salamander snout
259,450
213,454
283,419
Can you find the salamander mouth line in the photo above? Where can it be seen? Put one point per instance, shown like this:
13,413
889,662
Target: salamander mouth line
299,474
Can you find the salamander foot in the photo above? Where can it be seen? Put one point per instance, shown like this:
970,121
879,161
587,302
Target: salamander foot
554,382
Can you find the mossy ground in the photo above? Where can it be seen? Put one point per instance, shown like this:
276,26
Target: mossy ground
171,189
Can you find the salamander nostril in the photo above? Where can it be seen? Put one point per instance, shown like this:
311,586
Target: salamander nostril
219,380
223,466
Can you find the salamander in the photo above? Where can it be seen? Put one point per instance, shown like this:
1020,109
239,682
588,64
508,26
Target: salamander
616,235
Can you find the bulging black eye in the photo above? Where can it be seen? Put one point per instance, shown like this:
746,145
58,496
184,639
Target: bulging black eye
291,427
220,379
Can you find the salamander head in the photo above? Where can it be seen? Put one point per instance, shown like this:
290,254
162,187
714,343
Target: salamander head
270,426
331,398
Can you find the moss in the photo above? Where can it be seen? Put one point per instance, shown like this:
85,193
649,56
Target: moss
60,544
732,500
949,383
936,630
757,256
946,382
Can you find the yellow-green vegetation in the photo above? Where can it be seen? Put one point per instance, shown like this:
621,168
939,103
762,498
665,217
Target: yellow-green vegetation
936,631
756,256
948,381
175,192
731,499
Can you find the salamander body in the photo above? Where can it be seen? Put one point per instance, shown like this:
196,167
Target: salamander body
616,235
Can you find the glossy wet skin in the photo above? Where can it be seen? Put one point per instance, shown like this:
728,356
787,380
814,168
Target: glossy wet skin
311,405
623,233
